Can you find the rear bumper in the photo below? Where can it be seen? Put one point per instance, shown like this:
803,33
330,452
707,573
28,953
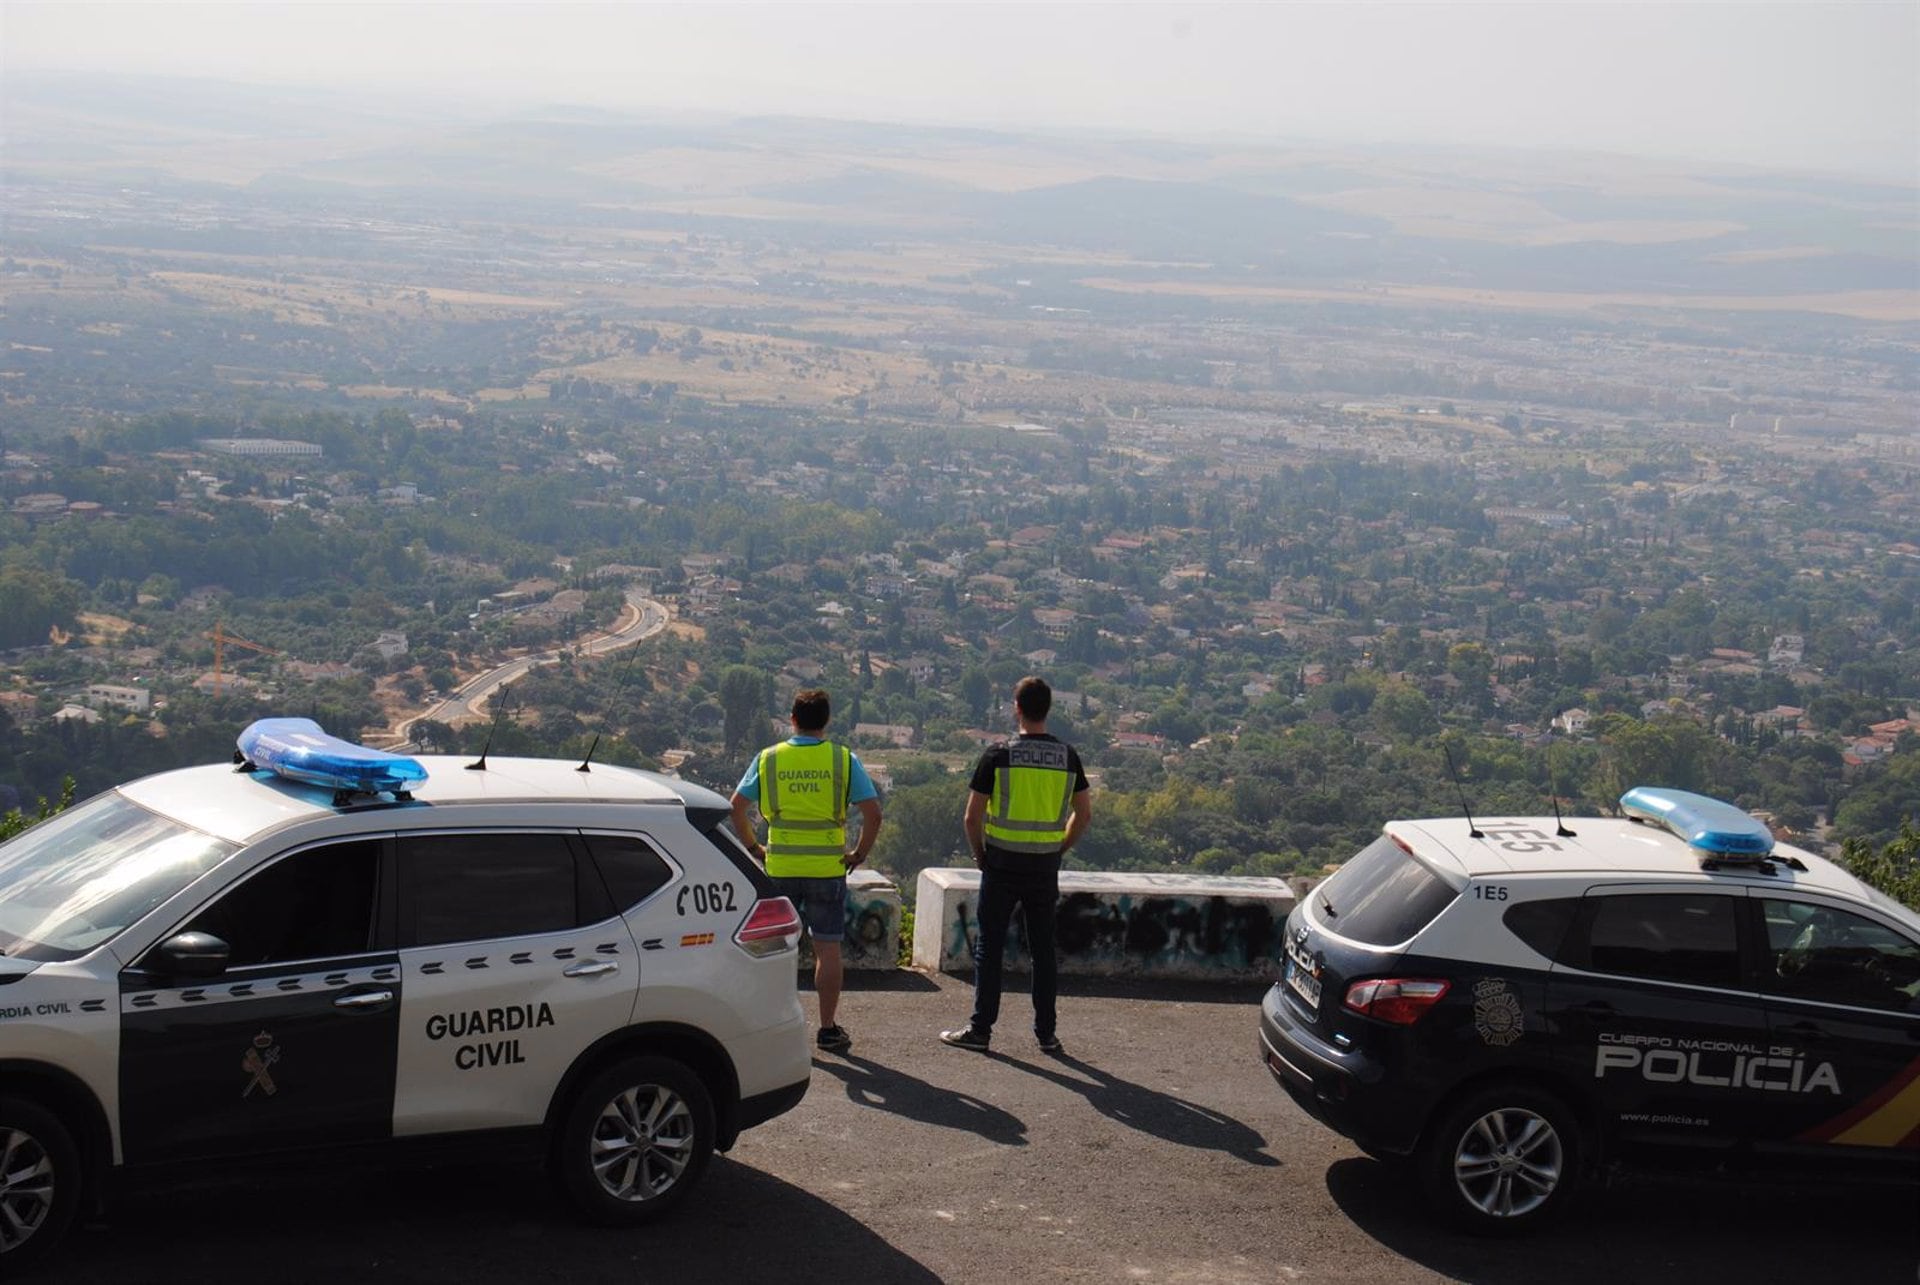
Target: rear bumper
1345,1088
762,1107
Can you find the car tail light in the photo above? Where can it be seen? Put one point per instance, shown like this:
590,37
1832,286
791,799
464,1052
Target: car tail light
1400,1000
773,925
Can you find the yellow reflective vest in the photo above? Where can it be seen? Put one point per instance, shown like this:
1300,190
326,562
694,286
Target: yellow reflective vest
1032,797
803,796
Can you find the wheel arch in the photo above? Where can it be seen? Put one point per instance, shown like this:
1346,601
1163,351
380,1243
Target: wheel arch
694,1048
67,1097
1582,1103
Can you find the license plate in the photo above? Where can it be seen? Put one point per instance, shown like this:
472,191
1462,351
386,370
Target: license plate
1304,984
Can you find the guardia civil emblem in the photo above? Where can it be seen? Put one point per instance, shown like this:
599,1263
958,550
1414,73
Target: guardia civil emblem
258,1063
1496,1012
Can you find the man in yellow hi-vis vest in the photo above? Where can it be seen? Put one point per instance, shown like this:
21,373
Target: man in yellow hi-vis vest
805,788
1028,805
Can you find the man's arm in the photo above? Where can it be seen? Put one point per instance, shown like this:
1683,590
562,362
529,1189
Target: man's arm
1078,822
869,831
974,822
743,827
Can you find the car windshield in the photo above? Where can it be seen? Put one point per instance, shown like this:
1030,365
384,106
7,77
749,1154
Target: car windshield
80,878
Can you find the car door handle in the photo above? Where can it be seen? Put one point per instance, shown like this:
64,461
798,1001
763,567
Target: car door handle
1811,1032
364,1001
591,968
1595,1008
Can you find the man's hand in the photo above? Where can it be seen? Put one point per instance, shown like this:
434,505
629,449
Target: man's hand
743,827
853,861
973,824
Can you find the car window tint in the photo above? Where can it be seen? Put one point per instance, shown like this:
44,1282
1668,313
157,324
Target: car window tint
1820,953
315,904
1672,938
1381,896
631,867
478,886
1543,924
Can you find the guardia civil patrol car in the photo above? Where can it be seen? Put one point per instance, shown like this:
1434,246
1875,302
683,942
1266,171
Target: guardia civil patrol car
326,947
1513,1002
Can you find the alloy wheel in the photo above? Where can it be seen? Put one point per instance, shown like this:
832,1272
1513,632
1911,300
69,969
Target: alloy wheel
1508,1162
642,1142
26,1188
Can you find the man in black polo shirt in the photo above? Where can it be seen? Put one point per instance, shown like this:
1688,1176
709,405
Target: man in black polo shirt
1028,806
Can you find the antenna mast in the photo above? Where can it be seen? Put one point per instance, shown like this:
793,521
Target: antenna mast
1473,831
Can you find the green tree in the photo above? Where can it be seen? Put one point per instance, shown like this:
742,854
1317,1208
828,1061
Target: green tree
923,827
1673,752
1402,710
14,820
32,605
1894,869
746,697
976,692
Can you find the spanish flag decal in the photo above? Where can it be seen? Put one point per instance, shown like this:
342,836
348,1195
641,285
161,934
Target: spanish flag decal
697,939
1890,1117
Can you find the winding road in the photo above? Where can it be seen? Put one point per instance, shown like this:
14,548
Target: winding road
639,620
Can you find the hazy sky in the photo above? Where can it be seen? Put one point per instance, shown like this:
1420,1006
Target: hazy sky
1827,85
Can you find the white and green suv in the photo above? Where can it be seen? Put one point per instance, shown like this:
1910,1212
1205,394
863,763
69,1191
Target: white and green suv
222,963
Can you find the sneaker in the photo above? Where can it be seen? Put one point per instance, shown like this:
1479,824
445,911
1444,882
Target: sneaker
1050,1044
834,1039
966,1038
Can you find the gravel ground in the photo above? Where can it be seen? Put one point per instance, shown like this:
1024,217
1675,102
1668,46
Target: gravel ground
1158,1149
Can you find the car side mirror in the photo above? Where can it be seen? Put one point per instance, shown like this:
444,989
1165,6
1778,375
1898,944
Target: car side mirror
192,955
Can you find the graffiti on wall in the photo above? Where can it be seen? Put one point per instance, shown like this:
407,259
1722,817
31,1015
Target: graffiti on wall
873,928
1120,932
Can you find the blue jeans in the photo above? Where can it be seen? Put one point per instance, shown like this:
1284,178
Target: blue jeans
1036,894
822,904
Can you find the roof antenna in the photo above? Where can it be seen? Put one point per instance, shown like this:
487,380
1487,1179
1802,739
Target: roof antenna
626,672
1559,826
1473,831
498,714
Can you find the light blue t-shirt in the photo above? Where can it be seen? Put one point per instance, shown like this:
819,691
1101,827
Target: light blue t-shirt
860,787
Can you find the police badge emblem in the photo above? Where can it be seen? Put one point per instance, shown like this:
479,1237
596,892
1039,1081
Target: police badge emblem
1496,1012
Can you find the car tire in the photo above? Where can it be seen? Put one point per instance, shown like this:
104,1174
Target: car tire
1503,1160
40,1182
634,1141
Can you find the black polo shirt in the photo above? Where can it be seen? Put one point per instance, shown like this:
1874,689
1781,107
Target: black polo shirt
995,758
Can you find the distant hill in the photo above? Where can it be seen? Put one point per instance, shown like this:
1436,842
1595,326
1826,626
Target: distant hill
1475,218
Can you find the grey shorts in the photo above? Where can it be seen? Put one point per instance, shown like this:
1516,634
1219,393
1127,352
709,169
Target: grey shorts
822,904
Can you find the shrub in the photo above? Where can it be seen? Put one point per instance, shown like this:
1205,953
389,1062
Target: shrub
1894,869
14,821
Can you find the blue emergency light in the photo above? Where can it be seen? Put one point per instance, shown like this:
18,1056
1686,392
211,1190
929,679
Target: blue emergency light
1711,827
298,749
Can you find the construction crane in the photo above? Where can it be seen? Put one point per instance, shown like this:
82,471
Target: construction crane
221,638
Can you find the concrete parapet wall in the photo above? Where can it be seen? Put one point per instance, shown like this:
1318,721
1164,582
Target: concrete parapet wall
1144,925
873,924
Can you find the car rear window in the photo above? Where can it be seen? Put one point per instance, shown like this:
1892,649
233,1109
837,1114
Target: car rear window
632,869
1382,896
1543,924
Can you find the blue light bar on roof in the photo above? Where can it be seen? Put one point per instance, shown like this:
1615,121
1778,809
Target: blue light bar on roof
299,750
1709,826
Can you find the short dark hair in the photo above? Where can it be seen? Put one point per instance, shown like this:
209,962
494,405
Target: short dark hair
811,712
1034,698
